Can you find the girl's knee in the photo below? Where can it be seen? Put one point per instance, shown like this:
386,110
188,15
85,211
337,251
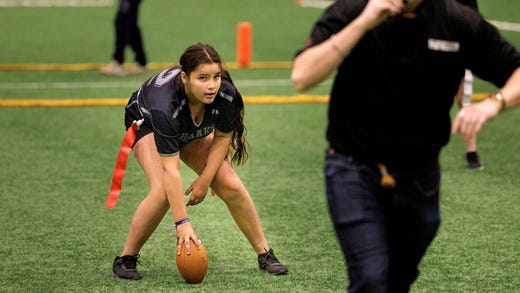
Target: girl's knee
158,194
230,193
231,190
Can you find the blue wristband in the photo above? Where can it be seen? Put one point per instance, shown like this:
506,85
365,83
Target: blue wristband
185,220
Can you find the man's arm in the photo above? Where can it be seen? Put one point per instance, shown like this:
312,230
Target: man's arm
316,63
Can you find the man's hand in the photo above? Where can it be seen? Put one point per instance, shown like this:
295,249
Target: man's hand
377,11
470,119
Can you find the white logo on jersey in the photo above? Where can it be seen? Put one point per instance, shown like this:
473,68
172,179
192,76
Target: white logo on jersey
443,45
165,76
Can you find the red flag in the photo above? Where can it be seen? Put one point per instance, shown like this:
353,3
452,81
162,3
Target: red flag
122,157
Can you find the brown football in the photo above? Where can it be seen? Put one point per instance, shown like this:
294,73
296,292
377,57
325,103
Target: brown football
193,267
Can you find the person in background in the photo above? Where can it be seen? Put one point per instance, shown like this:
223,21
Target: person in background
127,32
464,98
194,113
398,65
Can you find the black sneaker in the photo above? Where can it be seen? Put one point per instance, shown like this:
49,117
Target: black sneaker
125,266
474,161
269,263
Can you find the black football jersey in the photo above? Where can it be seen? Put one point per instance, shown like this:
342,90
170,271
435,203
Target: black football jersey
164,106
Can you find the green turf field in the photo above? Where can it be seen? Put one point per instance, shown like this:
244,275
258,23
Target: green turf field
57,163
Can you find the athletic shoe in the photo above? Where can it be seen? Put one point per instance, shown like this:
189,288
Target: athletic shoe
269,263
114,69
474,161
138,69
125,267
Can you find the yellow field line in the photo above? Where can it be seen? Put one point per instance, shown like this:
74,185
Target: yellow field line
122,102
297,99
155,66
286,99
479,96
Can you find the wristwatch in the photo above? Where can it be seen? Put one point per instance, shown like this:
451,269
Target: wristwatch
499,97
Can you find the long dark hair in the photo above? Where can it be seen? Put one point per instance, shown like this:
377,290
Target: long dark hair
198,54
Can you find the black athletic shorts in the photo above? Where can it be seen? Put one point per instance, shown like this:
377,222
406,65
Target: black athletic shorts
132,114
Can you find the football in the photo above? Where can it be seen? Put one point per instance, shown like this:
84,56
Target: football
193,267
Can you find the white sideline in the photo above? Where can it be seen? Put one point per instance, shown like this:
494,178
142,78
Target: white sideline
506,26
56,3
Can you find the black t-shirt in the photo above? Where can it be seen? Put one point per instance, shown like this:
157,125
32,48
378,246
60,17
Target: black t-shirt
391,98
163,103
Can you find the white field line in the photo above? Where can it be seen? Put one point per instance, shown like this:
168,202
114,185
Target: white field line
506,26
67,85
56,3
315,3
126,84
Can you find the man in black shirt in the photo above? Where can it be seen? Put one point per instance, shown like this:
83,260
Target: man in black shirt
399,65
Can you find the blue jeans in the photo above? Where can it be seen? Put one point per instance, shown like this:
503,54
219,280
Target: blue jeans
383,232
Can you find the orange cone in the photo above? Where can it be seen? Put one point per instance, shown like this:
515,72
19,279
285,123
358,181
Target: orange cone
244,44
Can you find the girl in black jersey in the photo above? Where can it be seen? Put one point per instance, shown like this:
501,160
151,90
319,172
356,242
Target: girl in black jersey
193,113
